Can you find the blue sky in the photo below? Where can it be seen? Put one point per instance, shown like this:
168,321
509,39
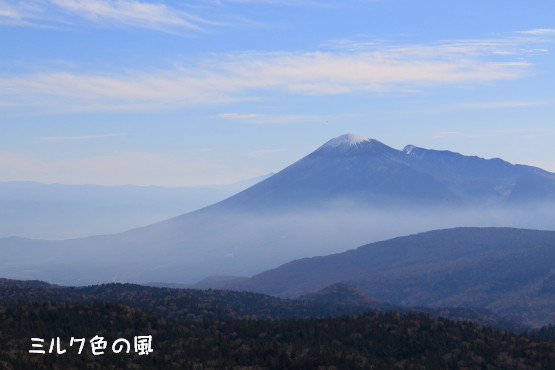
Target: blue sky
185,93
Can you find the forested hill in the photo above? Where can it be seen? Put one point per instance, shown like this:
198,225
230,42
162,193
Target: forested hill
382,341
506,270
183,304
546,332
194,304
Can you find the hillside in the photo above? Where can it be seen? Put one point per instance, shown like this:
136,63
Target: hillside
198,305
546,332
347,295
508,271
182,304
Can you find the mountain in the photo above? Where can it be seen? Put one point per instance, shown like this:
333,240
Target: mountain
211,304
508,271
492,179
361,169
350,296
181,304
350,191
345,294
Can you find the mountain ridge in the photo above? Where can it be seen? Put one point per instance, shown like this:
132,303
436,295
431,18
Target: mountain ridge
324,203
217,304
506,270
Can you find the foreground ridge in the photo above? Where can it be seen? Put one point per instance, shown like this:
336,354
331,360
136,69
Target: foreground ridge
365,341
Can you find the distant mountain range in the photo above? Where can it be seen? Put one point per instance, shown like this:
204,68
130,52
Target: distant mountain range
59,211
350,191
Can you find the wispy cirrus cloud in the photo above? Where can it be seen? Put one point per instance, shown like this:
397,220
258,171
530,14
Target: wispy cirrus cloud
261,152
539,31
143,14
153,15
500,104
318,3
443,134
72,138
23,13
277,118
172,17
235,77
487,105
243,116
521,43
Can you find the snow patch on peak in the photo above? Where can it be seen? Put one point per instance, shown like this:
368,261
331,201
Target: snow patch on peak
346,140
410,149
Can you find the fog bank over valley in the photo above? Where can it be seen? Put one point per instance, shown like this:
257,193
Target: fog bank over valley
191,247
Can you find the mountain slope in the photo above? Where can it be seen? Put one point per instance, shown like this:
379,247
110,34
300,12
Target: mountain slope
345,294
350,191
349,167
349,295
486,179
180,304
362,169
509,271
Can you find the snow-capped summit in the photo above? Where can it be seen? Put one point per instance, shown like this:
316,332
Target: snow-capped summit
350,144
346,140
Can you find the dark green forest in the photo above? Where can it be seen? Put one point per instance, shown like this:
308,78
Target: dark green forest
370,340
218,329
183,304
195,304
546,332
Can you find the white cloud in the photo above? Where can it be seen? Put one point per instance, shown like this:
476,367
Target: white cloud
9,11
261,152
278,118
131,12
442,134
284,2
539,130
71,138
21,12
243,76
238,115
500,104
539,31
134,13
489,105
